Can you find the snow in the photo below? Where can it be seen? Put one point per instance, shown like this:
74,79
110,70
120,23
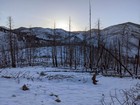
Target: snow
109,35
44,33
71,88
125,33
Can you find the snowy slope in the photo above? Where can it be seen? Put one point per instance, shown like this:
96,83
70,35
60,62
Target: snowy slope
3,40
123,33
43,33
69,87
111,36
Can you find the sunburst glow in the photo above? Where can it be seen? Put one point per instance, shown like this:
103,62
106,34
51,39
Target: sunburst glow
62,24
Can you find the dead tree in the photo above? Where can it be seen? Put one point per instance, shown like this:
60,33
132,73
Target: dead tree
137,59
117,60
4,62
11,43
91,45
30,48
120,58
85,50
70,46
94,79
54,49
99,50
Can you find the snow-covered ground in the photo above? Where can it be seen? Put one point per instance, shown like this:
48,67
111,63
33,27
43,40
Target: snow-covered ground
46,87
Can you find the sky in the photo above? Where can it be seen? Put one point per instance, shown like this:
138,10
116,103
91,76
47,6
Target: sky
44,13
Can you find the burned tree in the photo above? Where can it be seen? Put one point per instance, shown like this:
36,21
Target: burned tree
11,43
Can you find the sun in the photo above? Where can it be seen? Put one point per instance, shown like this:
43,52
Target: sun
62,24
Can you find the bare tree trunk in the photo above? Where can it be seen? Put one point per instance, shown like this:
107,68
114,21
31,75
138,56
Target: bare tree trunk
65,56
90,54
99,50
4,57
85,51
70,46
53,62
54,50
75,56
127,52
30,48
11,44
61,54
55,56
85,56
117,60
120,66
137,59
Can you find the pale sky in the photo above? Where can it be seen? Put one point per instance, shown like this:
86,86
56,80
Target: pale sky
43,13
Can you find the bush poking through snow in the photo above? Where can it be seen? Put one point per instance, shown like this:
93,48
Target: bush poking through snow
8,77
124,97
13,95
138,97
24,87
42,74
53,95
58,100
56,96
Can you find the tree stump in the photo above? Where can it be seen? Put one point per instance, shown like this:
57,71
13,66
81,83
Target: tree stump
94,79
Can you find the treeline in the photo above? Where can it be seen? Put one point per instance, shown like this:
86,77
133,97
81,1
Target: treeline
92,54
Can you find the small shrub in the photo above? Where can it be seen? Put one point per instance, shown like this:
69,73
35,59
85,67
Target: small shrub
13,95
24,87
58,100
53,95
42,74
56,96
8,77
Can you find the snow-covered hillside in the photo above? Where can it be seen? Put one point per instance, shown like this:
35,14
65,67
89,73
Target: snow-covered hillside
122,37
3,39
124,33
48,87
127,34
43,33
